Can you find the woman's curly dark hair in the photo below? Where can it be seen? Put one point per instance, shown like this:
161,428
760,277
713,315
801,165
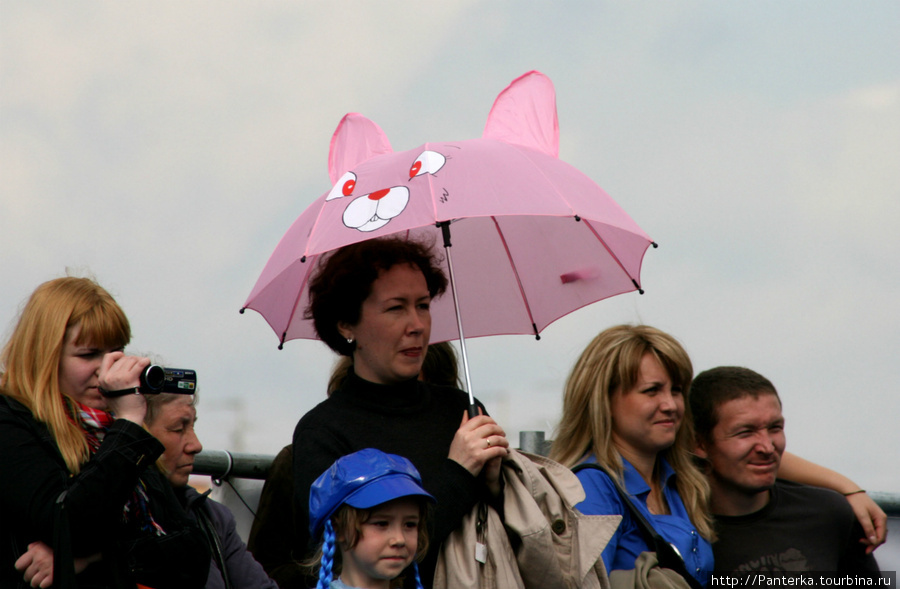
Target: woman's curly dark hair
344,278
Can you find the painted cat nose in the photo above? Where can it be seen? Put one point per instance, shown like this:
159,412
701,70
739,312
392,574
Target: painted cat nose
379,194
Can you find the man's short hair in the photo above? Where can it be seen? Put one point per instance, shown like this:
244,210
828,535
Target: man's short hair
716,386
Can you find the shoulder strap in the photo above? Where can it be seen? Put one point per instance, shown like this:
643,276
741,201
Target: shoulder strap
666,554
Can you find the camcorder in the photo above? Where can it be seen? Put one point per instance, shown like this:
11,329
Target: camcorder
157,379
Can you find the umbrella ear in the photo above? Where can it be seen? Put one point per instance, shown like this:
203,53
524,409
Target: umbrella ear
525,114
355,140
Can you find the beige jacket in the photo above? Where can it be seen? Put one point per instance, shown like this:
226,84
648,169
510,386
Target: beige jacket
647,574
557,547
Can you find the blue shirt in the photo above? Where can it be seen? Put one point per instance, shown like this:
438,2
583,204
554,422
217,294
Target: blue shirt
628,541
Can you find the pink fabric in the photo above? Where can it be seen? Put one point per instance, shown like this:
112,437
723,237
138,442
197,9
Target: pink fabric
533,238
355,140
525,114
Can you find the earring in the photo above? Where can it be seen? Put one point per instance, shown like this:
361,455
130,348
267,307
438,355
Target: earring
350,340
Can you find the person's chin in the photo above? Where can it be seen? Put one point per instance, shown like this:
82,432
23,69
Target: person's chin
664,441
408,370
395,565
760,483
95,402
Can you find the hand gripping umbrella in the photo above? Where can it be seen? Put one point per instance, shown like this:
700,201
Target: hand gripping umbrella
533,239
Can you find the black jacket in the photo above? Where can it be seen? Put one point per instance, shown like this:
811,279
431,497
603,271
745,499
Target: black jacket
38,497
412,419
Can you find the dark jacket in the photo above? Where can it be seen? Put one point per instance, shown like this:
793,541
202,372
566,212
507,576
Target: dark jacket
273,539
413,419
229,553
38,496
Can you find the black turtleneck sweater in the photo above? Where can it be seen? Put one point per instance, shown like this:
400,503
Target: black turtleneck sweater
412,419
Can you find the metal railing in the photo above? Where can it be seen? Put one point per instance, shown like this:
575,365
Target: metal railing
222,465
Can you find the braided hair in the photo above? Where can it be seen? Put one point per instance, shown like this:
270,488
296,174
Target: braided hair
347,520
418,578
338,512
327,562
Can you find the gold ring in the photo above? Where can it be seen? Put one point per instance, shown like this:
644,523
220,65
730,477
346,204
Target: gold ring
488,440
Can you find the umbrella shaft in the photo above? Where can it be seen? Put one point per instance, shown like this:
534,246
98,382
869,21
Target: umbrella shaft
462,338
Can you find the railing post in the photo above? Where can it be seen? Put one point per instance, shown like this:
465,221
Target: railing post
533,442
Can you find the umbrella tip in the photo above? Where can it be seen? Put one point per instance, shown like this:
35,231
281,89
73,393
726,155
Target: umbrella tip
303,259
242,310
637,286
654,244
281,346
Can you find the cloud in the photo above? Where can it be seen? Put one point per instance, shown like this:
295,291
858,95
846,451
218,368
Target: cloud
166,148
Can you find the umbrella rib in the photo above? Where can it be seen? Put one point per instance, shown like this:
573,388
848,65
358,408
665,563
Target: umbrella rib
610,252
516,273
300,291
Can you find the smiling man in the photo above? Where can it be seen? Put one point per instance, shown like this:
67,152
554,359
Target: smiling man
764,523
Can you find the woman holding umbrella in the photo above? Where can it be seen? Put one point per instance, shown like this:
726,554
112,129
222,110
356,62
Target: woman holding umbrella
371,301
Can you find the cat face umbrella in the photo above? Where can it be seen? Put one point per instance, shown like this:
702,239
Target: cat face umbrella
533,239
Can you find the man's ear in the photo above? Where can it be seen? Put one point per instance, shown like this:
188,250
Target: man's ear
700,450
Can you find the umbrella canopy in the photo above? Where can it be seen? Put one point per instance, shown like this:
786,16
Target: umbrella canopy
533,239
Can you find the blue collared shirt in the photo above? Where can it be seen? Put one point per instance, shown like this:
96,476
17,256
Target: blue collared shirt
628,542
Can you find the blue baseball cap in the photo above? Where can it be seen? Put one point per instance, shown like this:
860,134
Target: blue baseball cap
363,480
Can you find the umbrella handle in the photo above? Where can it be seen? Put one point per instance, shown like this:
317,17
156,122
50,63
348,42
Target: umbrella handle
473,410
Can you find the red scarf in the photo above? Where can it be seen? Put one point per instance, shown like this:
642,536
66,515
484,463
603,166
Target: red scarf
94,423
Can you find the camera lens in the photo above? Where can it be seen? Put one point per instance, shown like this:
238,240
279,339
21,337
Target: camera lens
152,378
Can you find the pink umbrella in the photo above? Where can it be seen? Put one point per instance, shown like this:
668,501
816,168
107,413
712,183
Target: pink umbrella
533,238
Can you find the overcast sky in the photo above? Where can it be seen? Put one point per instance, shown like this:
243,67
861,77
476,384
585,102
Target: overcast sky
165,147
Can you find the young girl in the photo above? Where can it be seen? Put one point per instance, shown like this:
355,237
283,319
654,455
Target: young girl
372,507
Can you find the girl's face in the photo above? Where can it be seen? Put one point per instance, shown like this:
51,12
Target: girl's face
647,417
394,327
79,366
386,545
